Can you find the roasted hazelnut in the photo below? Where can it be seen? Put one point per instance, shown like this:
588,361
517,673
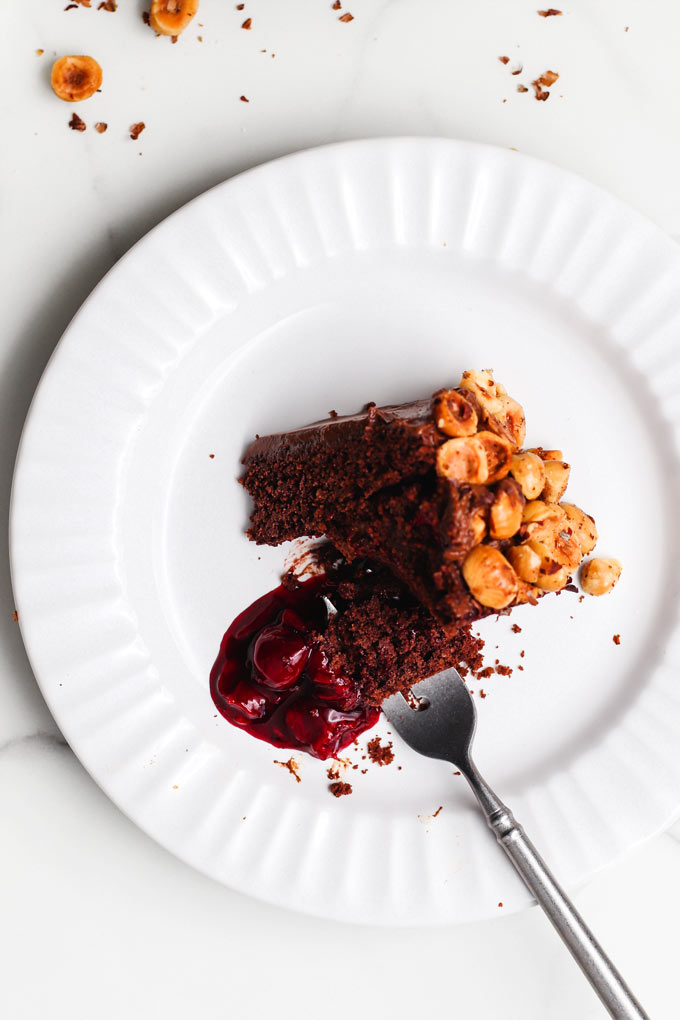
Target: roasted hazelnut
484,388
498,452
454,415
539,517
552,575
546,454
490,577
509,421
170,17
582,527
505,514
505,416
556,480
599,575
463,460
526,562
76,78
529,471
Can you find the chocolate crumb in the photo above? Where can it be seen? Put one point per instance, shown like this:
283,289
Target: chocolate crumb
500,903
571,587
76,124
380,754
173,39
292,767
437,811
145,17
243,99
516,629
456,773
332,414
100,127
212,456
617,639
521,654
247,24
70,7
15,616
552,12
398,768
136,130
346,17
504,60
340,789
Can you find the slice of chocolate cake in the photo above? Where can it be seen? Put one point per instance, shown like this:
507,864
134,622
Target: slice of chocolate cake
439,491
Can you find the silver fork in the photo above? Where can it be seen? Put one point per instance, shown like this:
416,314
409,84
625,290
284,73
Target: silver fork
438,720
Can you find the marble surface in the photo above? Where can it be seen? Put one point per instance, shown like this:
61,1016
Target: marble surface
95,915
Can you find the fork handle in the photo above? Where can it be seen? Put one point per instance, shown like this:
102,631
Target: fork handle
591,958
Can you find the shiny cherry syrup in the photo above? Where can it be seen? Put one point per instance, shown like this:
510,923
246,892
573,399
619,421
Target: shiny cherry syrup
272,679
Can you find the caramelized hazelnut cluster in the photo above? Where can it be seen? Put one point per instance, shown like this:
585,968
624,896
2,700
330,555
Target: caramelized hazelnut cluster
527,541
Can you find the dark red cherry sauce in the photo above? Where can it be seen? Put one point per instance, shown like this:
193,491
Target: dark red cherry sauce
272,678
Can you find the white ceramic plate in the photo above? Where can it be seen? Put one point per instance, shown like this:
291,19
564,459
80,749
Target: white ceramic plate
373,270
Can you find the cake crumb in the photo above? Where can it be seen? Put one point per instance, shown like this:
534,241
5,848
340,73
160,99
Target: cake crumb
340,789
76,124
337,6
617,639
551,12
504,60
438,810
516,629
212,456
521,654
39,53
500,903
581,598
380,754
100,127
175,787
333,772
136,130
482,693
15,616
292,767
243,99
145,18
346,17
247,24
504,670
522,88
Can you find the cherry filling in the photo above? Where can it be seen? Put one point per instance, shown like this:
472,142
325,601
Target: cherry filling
272,678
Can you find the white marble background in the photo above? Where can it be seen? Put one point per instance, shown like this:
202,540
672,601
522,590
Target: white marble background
96,920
